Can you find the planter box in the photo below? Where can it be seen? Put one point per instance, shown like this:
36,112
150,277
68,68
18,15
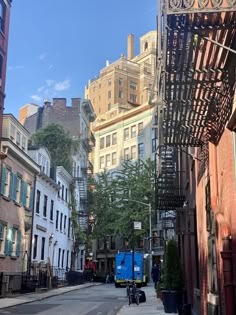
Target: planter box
172,301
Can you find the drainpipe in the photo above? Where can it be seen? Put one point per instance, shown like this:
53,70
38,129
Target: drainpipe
226,256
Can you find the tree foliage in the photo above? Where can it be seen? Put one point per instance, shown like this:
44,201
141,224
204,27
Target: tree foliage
172,276
59,143
113,200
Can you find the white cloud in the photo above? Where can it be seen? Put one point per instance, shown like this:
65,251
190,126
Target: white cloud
50,89
62,86
36,98
15,67
49,82
42,56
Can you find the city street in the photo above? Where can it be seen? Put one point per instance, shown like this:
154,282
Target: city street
96,300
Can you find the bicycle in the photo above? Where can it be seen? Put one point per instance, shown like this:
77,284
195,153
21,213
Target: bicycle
132,293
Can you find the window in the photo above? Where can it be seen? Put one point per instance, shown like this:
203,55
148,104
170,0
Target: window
113,158
2,15
67,194
12,132
108,160
133,152
120,94
67,259
109,94
29,195
102,142
37,201
114,138
133,131
62,259
45,206
120,82
140,150
133,85
154,145
14,241
108,141
58,193
61,221
69,222
23,143
109,82
59,257
18,188
133,98
65,218
109,106
126,134
35,246
102,164
3,230
57,219
140,128
18,138
51,210
42,248
126,153
62,192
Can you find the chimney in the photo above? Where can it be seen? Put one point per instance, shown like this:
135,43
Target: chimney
130,47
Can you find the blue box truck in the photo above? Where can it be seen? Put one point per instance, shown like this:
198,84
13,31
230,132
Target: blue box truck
123,269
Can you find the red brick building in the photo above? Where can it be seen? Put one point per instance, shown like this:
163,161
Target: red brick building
5,6
18,176
196,106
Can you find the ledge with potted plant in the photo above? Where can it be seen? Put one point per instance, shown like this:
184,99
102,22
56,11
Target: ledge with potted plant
172,279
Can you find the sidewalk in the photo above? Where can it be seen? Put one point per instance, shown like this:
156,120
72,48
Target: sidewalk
35,296
153,305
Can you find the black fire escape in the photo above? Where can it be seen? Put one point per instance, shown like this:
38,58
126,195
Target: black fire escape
196,84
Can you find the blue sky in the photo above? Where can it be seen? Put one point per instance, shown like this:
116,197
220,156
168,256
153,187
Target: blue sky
56,46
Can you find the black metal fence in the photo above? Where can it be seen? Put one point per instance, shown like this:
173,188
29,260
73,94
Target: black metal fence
41,278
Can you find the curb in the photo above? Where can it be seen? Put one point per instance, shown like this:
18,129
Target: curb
72,288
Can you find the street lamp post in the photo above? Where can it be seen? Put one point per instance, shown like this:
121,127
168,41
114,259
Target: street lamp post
150,236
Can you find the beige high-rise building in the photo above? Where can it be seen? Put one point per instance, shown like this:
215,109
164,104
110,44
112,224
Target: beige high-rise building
127,80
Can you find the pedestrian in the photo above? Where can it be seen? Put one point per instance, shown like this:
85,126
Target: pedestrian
155,274
107,278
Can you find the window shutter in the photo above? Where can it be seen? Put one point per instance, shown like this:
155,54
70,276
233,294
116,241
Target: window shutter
31,197
12,186
18,246
15,180
4,173
1,232
10,242
6,242
23,192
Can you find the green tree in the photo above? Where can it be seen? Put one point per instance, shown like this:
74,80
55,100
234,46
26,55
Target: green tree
111,203
101,198
134,182
59,143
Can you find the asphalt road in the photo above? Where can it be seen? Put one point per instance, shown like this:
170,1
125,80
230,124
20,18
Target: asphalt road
98,300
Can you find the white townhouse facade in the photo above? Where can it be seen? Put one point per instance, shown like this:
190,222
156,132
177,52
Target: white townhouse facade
46,190
63,237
